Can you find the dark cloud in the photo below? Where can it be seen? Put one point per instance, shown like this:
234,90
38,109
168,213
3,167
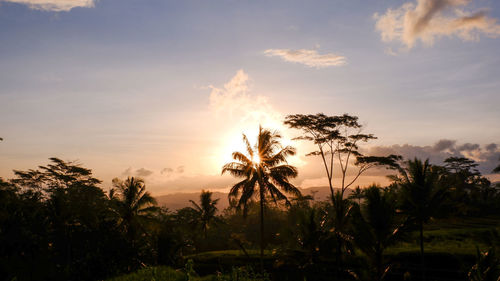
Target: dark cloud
491,147
444,144
487,156
169,171
142,172
468,147
166,171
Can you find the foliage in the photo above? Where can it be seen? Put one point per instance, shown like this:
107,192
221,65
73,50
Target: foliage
357,194
58,223
421,195
205,211
487,267
377,226
338,136
264,167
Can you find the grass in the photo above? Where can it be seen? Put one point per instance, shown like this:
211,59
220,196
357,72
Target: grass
153,273
453,236
230,253
163,273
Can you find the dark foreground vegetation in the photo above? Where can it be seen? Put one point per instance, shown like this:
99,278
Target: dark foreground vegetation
433,222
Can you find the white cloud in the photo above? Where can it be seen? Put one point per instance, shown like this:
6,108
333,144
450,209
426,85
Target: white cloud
234,102
54,5
310,58
427,20
238,110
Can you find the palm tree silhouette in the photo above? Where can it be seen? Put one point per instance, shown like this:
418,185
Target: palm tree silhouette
357,194
133,204
265,172
421,196
377,226
206,210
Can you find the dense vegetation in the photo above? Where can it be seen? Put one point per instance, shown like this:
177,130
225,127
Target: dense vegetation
432,223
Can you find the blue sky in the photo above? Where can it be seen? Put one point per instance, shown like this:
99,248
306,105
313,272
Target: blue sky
122,84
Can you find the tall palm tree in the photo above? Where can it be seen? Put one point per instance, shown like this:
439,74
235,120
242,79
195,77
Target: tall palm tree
357,194
133,204
265,173
206,210
377,226
421,195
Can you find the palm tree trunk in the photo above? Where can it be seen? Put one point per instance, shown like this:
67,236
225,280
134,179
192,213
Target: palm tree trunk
422,256
262,231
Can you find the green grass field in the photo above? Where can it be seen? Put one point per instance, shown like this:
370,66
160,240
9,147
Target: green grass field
454,236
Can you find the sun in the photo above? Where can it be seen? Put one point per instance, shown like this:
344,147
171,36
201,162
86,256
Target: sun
232,141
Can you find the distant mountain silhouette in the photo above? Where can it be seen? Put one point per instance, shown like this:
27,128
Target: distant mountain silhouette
177,201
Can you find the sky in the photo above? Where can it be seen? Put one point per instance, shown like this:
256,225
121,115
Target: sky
163,89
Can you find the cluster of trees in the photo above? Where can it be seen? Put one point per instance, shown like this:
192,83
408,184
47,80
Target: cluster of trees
419,192
56,223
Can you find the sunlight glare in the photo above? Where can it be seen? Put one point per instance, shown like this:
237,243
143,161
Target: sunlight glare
256,160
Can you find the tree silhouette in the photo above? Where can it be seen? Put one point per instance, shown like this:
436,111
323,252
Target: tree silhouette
206,210
63,219
133,204
338,139
265,172
421,195
357,194
377,226
340,219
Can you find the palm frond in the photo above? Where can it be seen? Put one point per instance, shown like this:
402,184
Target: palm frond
286,171
237,169
238,156
248,146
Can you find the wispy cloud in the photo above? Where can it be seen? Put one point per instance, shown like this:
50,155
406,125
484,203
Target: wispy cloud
142,172
427,20
54,5
310,58
170,171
